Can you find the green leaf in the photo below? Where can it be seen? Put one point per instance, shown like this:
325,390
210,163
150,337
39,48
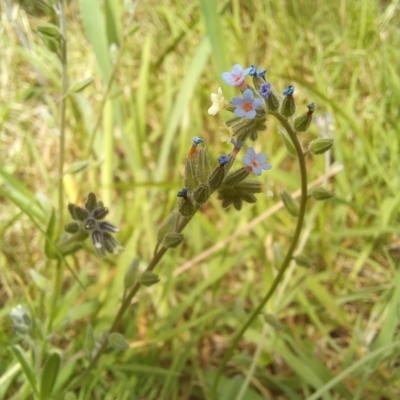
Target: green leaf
93,21
51,236
40,281
50,30
77,87
20,356
288,143
49,375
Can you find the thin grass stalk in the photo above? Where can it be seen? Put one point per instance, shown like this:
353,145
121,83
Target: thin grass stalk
289,254
63,105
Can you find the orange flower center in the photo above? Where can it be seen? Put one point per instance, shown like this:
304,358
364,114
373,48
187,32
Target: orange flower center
247,106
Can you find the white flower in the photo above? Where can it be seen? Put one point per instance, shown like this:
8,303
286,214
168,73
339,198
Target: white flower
226,133
219,102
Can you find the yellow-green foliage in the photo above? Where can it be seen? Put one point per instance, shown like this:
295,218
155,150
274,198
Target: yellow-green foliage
329,332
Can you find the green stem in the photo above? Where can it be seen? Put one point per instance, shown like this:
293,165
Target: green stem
289,254
64,89
56,295
124,305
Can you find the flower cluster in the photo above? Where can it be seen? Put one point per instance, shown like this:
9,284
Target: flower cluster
90,218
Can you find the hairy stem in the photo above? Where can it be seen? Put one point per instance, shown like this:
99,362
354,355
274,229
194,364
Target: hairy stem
289,254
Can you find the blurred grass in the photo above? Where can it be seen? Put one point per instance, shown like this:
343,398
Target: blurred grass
149,101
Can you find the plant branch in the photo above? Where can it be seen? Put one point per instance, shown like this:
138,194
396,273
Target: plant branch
289,254
124,306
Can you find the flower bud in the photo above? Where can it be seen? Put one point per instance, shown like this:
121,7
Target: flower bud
81,213
248,197
288,106
191,181
250,186
21,319
303,261
117,342
236,176
91,202
72,227
132,274
320,146
216,178
303,121
100,212
203,165
202,193
173,240
72,211
167,226
290,203
321,194
148,278
273,101
186,207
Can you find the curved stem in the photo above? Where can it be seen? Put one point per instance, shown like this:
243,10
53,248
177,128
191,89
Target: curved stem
289,254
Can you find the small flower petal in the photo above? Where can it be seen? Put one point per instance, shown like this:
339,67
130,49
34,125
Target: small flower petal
237,76
219,102
257,162
246,106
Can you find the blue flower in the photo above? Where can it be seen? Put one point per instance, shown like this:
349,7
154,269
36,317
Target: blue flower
253,70
223,160
246,106
265,90
183,193
289,91
196,140
236,77
261,73
257,162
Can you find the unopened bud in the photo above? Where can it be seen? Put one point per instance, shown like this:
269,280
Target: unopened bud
100,212
321,194
72,227
148,278
273,101
167,226
288,106
191,181
290,203
91,202
201,193
117,342
173,240
320,146
250,186
203,165
131,275
186,207
303,121
236,176
303,261
216,178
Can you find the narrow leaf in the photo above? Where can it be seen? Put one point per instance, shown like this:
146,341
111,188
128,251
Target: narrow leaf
49,375
20,356
51,236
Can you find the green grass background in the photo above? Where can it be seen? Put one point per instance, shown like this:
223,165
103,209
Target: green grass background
330,331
